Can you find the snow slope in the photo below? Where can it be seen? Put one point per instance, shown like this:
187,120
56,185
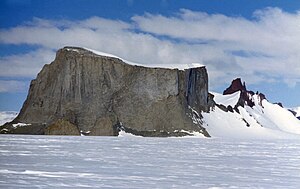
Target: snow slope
227,100
262,121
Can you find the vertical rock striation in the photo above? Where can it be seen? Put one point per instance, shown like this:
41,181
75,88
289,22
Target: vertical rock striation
99,95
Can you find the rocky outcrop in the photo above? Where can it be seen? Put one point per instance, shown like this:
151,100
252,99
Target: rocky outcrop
245,95
99,95
236,85
62,127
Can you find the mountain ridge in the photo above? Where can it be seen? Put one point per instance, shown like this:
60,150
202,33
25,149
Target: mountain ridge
100,95
92,93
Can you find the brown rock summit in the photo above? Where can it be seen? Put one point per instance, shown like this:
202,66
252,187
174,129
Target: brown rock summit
236,85
99,95
245,95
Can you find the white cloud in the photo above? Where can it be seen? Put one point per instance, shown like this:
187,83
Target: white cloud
25,65
264,48
269,42
12,86
269,28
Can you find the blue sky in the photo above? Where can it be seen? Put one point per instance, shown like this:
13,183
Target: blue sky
256,40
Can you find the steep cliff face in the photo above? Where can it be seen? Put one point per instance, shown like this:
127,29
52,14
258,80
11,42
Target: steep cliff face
100,95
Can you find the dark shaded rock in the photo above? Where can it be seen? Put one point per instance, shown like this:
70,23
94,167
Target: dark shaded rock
279,104
222,107
245,95
230,109
103,127
96,93
210,100
236,85
247,124
261,97
62,127
196,97
293,112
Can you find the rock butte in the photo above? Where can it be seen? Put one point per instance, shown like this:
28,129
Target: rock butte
82,92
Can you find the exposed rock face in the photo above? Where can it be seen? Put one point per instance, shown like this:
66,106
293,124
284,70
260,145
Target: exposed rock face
100,95
245,95
236,85
62,127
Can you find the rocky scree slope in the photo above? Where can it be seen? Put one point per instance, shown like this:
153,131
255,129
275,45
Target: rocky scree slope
81,92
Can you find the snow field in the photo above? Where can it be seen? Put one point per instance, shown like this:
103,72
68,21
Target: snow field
269,121
138,162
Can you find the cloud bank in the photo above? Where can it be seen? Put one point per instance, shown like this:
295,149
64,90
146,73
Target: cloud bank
264,48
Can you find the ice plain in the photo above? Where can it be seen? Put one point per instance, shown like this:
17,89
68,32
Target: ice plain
137,162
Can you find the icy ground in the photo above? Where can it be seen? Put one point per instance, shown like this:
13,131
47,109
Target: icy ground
136,162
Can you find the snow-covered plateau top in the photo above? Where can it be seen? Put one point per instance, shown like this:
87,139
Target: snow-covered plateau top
168,66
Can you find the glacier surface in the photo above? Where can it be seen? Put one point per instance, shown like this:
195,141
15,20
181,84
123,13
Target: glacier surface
137,162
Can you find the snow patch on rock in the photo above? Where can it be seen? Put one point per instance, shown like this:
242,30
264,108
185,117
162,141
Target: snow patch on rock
125,134
20,125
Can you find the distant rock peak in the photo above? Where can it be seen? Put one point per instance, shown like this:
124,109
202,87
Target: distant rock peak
236,85
245,95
